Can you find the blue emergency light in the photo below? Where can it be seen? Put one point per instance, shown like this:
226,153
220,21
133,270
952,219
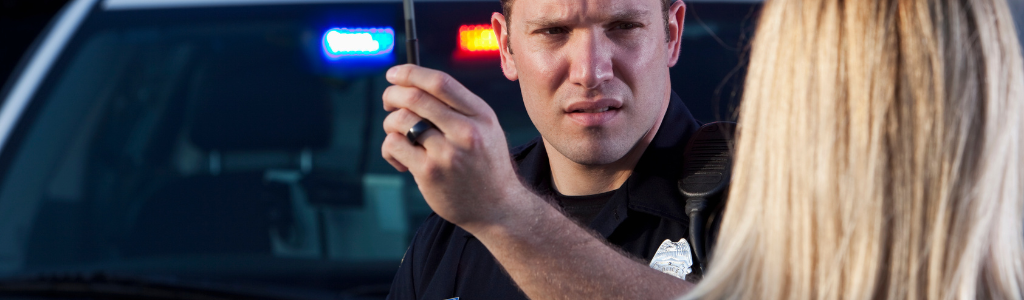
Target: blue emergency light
358,42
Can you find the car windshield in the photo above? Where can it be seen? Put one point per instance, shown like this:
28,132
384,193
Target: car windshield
224,144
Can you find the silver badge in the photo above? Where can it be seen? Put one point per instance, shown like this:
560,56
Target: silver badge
673,258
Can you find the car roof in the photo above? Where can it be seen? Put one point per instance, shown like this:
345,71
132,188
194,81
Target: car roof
158,4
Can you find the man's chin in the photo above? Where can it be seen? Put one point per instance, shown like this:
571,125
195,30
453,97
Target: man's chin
593,155
595,161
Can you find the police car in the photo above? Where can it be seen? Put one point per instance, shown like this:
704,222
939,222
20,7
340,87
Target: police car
222,149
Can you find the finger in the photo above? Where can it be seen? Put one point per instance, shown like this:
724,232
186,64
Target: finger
432,141
402,154
440,85
401,120
424,106
392,161
387,151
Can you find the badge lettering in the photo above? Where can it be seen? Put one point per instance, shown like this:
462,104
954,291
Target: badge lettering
673,258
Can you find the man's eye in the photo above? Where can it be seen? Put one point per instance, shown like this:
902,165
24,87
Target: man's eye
627,26
556,30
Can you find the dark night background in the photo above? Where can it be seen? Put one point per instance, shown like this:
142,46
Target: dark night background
22,20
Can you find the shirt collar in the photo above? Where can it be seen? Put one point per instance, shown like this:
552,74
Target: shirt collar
652,187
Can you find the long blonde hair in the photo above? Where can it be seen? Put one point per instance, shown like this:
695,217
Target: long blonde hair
879,155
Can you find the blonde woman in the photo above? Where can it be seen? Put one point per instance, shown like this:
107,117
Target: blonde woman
880,155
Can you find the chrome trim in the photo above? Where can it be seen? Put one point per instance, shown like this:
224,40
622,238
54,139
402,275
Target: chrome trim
35,71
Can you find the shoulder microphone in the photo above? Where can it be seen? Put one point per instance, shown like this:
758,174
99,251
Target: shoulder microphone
707,170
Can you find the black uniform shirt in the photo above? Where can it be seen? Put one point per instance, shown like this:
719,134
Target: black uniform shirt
444,261
583,209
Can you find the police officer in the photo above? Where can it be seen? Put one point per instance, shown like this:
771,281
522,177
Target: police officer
588,210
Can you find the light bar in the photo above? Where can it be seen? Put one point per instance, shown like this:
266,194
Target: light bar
345,42
477,38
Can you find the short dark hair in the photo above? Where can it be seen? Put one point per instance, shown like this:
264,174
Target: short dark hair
506,10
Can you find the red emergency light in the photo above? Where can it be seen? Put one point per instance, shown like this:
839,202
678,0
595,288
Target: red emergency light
477,38
477,43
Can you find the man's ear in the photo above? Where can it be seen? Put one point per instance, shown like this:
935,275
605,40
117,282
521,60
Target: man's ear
508,65
676,16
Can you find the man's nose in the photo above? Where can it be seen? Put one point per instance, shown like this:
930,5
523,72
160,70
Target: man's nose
591,63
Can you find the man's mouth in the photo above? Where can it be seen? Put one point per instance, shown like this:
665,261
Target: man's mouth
595,106
593,113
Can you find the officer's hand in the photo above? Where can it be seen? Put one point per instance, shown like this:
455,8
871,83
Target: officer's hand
462,167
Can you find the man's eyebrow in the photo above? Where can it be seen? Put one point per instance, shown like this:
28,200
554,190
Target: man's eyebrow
623,15
545,22
630,14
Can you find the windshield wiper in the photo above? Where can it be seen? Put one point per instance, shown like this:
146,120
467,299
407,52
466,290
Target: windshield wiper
123,286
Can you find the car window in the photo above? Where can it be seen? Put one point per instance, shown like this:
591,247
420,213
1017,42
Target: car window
223,144
210,141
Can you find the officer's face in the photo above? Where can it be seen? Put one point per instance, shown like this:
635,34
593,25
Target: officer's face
594,73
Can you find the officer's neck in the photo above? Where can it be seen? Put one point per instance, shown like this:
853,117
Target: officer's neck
572,179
